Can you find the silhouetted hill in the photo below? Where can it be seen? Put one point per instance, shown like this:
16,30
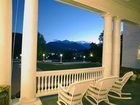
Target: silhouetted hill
66,45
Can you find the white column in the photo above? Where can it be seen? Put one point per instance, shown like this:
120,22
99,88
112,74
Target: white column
5,41
116,47
107,45
29,54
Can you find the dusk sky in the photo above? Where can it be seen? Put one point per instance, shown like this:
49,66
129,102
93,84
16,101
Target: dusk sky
57,21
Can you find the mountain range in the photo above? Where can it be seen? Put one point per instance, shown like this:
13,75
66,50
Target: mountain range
66,45
54,46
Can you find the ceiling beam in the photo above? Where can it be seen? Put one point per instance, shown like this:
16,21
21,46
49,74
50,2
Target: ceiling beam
110,6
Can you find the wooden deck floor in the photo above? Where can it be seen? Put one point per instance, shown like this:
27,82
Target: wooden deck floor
131,86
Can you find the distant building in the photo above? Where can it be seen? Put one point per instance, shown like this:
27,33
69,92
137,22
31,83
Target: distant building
131,46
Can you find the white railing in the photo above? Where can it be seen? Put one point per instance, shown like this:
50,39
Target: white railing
47,81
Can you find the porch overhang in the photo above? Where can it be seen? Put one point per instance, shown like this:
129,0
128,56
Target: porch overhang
127,10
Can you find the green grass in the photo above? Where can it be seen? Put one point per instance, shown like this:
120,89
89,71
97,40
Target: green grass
51,66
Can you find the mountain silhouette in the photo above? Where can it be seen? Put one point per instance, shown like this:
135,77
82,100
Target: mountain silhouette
55,46
66,45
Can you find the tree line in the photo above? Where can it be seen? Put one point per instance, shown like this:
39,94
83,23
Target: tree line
93,54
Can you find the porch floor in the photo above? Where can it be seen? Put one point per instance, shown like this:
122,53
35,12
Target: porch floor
131,86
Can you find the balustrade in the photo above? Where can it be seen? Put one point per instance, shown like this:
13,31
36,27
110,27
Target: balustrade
47,81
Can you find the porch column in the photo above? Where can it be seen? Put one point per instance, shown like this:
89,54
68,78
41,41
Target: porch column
29,54
107,45
5,41
116,47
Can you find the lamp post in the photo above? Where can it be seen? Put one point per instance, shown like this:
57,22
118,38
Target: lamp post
84,58
91,55
43,57
61,56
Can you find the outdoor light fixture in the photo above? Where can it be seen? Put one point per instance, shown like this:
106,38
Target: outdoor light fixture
43,56
61,56
91,55
84,58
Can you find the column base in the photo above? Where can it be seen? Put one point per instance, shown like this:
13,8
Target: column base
35,101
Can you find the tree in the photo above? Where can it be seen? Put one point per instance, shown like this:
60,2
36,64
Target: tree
42,49
96,50
101,37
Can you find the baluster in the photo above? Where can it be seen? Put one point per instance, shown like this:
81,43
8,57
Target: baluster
69,79
76,77
55,80
90,75
83,76
45,83
100,73
72,78
67,83
64,80
80,77
94,75
42,83
97,75
58,79
52,82
61,80
48,82
87,75
38,85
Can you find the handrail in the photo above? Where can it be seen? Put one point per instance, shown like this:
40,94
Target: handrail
47,81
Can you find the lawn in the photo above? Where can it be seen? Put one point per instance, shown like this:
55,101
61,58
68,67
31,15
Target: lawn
56,66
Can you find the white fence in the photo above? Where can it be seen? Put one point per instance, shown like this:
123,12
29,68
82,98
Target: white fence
47,81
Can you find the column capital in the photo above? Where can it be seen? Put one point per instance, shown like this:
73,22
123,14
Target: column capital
117,18
106,14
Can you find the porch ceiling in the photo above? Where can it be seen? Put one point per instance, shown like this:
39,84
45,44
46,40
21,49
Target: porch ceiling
126,9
